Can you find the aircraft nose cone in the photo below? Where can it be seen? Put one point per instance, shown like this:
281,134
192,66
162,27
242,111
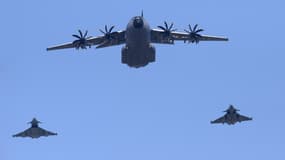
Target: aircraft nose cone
138,22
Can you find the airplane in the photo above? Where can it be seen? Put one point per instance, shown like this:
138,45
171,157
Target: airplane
231,117
138,37
34,131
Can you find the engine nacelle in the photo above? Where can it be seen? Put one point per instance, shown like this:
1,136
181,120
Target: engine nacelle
138,58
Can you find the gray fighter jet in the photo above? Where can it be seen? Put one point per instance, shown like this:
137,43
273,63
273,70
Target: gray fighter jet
34,131
138,38
231,117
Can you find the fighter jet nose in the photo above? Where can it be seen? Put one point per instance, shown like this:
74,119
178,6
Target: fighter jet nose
232,108
138,22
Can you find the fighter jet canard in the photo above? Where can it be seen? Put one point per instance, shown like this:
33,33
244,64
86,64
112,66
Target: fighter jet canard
231,117
137,38
34,131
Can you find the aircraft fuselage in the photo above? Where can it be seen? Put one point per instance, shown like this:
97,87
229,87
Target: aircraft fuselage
231,118
138,51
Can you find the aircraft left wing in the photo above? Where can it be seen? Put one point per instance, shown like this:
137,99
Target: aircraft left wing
44,132
243,118
160,36
106,40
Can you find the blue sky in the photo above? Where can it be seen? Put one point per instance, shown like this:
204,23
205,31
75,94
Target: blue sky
105,110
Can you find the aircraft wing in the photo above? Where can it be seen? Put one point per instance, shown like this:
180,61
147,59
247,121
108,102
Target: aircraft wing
159,36
243,118
21,134
117,38
44,132
219,120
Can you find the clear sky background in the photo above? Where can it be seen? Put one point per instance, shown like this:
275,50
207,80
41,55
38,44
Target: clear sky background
104,110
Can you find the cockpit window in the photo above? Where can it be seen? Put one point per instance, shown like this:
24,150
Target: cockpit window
138,22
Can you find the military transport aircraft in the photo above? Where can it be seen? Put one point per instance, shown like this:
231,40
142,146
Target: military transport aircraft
231,117
34,131
137,37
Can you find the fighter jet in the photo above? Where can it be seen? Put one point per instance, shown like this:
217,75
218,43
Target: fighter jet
231,117
34,131
137,38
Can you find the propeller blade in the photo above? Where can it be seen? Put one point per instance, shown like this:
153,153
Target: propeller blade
194,29
199,30
198,35
161,27
101,31
110,30
190,28
86,32
186,31
166,25
76,36
170,27
80,33
106,29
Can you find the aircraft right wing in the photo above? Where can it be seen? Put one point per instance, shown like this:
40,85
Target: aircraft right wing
219,120
21,134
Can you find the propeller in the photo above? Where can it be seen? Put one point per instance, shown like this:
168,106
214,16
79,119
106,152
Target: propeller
81,41
108,32
167,29
194,33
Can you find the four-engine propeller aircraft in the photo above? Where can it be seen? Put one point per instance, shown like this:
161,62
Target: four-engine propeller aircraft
138,36
34,131
231,117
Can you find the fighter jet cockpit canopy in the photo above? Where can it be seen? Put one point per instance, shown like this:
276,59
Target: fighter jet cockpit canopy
231,109
34,123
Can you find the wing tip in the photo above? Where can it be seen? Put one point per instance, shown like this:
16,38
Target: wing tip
49,49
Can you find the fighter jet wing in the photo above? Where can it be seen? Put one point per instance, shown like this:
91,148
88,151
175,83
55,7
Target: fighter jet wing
114,38
159,36
219,120
243,118
21,134
43,132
